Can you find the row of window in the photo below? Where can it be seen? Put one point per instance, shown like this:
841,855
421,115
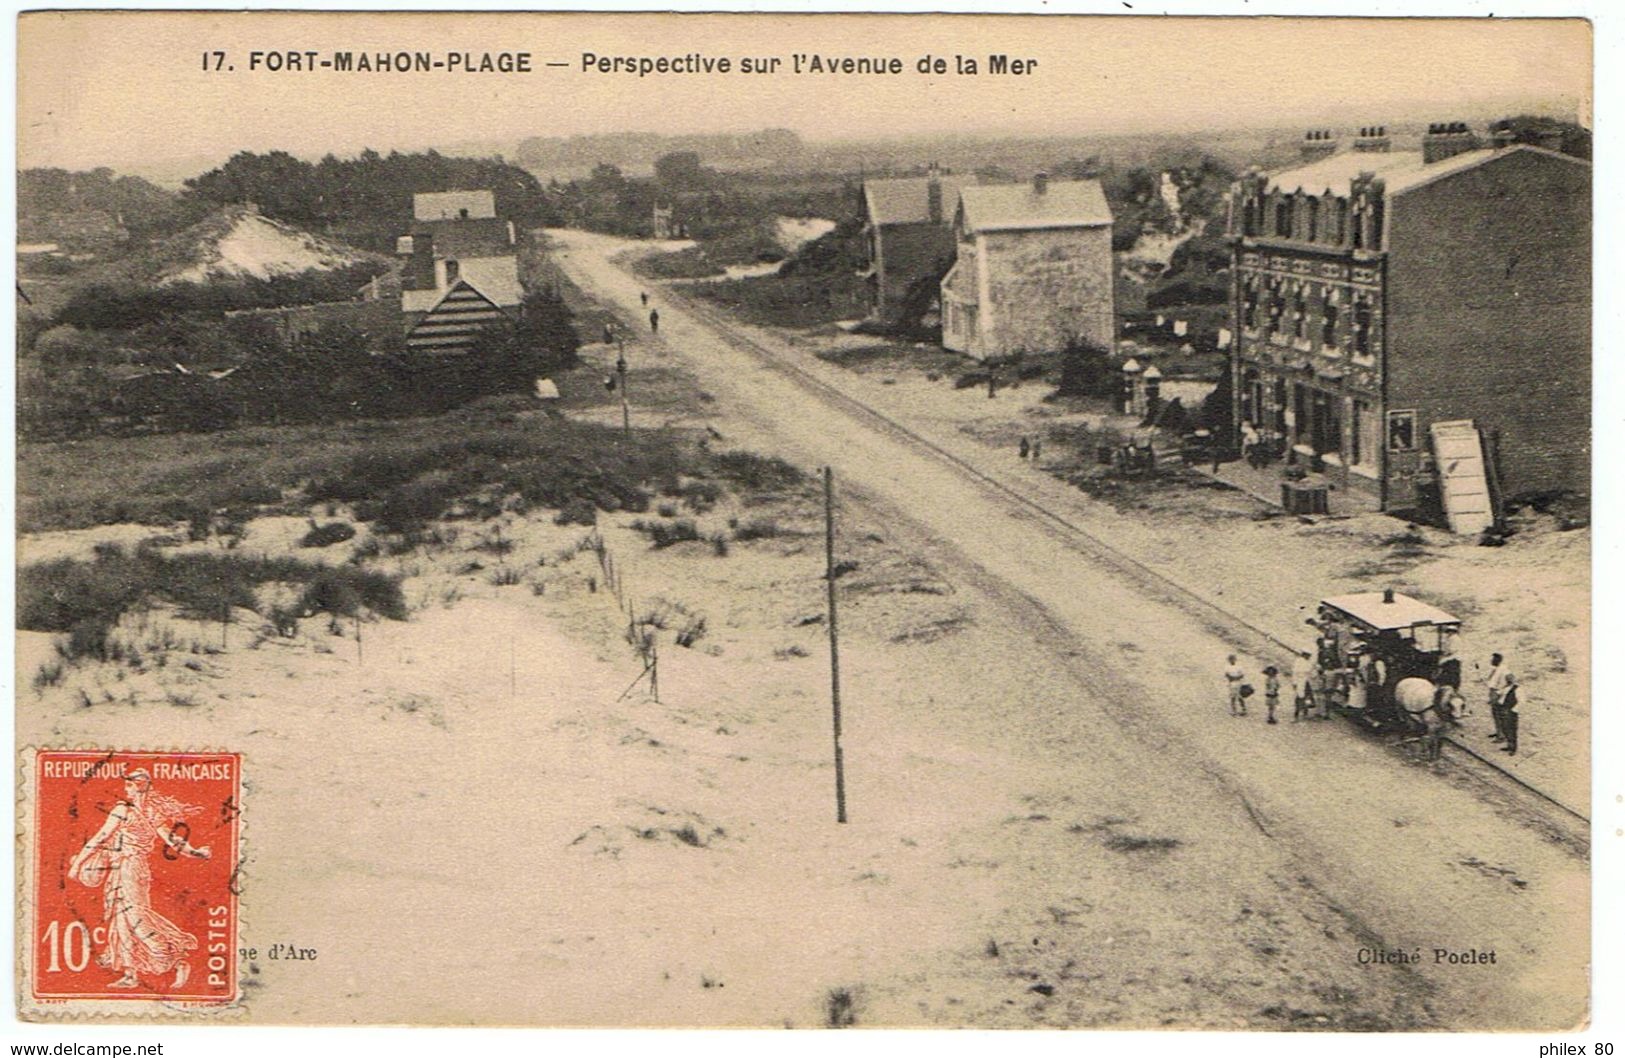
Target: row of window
1303,218
1291,315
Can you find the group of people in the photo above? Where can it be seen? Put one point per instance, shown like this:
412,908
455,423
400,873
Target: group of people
1306,705
1029,449
1310,700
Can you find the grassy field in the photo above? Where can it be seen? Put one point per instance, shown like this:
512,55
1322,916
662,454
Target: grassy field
399,472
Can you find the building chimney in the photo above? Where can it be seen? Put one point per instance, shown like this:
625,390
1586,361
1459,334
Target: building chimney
1550,139
1373,139
421,270
1446,140
1318,144
933,194
1040,183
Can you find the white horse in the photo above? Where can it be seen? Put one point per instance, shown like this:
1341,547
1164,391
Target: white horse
1416,698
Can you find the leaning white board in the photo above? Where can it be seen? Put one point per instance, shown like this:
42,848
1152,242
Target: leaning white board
1462,482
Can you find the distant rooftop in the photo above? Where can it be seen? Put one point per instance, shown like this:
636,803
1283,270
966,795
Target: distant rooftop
454,205
1400,170
1062,204
908,200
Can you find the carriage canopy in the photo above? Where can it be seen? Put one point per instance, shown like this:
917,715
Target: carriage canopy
1374,614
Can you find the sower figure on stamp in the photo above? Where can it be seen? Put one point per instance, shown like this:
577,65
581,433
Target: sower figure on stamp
139,939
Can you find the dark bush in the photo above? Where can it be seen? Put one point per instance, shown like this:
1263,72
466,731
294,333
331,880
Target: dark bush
327,535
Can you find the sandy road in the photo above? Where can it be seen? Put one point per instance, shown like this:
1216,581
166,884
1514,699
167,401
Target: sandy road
1422,863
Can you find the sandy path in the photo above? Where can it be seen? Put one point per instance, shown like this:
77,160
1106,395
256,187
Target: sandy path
1423,863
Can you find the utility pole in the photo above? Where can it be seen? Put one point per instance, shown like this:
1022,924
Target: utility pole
834,642
620,373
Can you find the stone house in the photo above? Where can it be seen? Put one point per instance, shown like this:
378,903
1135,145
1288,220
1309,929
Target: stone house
1377,294
1033,270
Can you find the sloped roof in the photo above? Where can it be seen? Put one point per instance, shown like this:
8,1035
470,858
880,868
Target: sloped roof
1370,609
1064,204
449,205
908,201
495,278
1400,170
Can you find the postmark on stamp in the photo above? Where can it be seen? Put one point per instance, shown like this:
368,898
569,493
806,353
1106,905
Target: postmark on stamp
131,872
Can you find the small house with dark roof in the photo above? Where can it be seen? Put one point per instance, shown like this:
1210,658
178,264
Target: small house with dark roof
460,271
1033,269
909,235
1381,296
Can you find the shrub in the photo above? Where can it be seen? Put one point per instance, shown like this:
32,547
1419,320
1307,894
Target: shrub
329,534
665,534
751,472
760,529
86,599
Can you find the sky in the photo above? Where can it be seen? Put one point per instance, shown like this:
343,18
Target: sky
130,88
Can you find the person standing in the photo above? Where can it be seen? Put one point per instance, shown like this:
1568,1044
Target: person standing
645,297
1509,714
1024,448
1303,693
654,321
1235,679
1447,684
1272,692
1500,672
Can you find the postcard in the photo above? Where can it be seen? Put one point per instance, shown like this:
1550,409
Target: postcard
816,521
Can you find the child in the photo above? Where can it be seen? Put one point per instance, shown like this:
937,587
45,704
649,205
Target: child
1272,692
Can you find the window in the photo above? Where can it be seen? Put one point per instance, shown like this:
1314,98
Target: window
1283,219
1328,322
1249,303
1300,411
1362,326
1300,313
1314,220
1358,217
1277,306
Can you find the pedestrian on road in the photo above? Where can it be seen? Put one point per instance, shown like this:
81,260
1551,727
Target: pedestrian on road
1235,679
1303,692
645,297
1272,692
654,321
1509,714
1500,673
1024,448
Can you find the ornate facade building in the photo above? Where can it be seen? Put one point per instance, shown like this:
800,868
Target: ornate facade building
1378,292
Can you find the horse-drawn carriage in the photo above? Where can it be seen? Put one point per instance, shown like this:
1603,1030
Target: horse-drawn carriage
1388,659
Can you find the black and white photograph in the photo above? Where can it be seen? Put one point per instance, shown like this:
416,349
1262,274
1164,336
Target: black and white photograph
816,521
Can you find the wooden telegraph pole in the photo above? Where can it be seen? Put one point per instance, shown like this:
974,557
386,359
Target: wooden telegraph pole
834,642
620,372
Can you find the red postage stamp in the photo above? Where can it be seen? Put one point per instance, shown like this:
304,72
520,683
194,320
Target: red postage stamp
134,877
